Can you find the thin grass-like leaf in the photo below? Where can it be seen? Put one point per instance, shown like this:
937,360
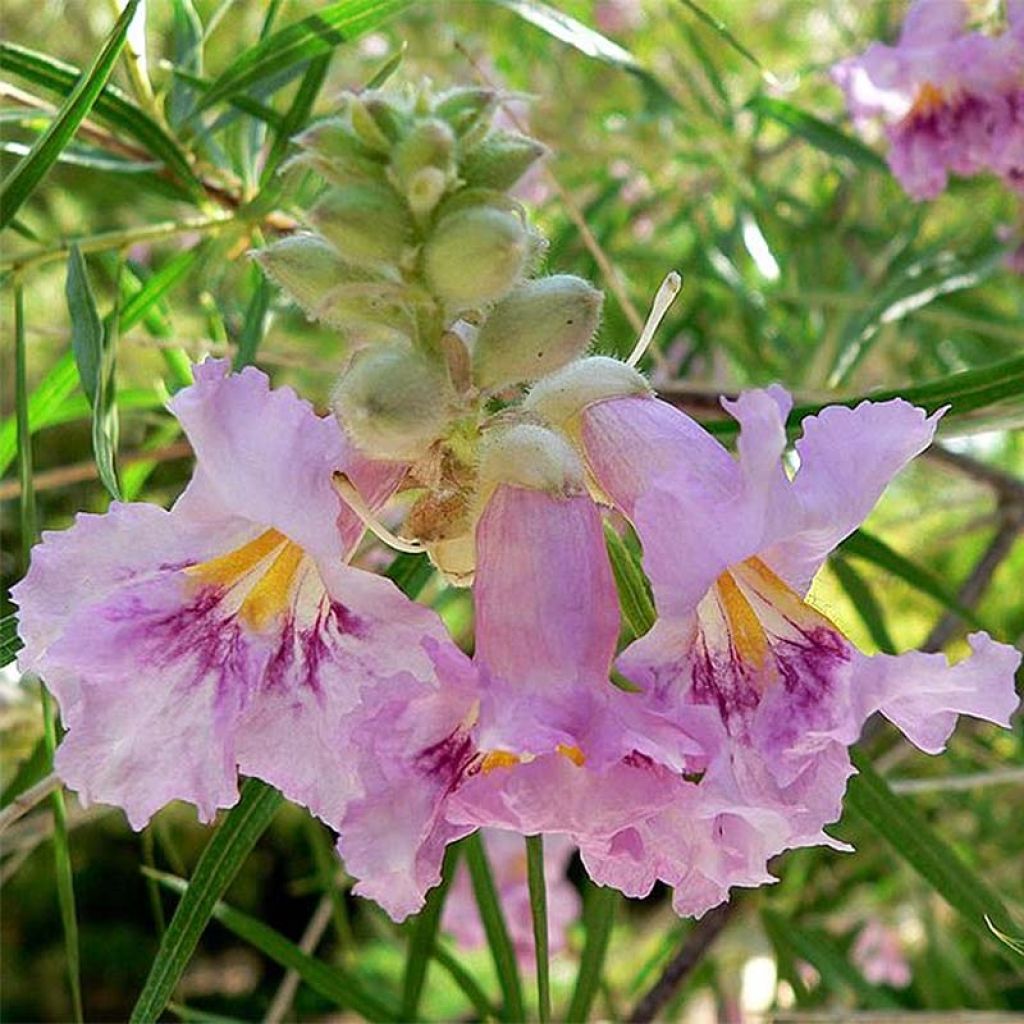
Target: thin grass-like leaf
22,181
466,982
10,642
311,37
502,951
297,114
634,591
220,861
598,919
254,325
331,982
539,915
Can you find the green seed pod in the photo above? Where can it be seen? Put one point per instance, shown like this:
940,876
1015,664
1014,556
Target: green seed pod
334,151
329,290
467,110
500,160
535,330
367,224
393,402
475,256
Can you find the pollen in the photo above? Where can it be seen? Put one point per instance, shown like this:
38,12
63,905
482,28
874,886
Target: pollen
574,754
498,759
928,100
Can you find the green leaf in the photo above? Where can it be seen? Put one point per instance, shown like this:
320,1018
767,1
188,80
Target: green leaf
423,937
10,642
818,133
156,287
113,107
331,982
896,820
31,770
634,591
864,545
473,992
243,104
297,115
858,591
23,180
93,346
719,26
539,915
219,863
306,39
598,918
1016,944
254,326
502,951
819,951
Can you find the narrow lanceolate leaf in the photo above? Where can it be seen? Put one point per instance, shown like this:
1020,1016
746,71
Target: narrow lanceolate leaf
502,951
820,952
113,107
818,133
297,114
895,819
10,642
254,326
539,914
423,937
30,171
634,590
331,982
219,863
598,918
304,40
93,345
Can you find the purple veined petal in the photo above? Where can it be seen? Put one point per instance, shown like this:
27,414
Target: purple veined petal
930,23
847,458
922,694
507,855
264,454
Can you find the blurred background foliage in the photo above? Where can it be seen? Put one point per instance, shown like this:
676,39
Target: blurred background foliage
679,146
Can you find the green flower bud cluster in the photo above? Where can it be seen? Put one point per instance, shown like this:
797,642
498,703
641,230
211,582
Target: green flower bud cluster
416,251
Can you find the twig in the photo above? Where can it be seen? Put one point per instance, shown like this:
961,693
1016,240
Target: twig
694,946
24,802
1008,487
956,783
311,937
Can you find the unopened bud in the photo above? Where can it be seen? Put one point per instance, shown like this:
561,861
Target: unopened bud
334,151
500,160
535,330
467,110
373,121
365,223
423,164
475,256
425,189
562,396
393,402
527,455
328,289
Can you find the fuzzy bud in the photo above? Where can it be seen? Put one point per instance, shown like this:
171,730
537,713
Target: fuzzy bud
367,224
475,256
393,402
374,121
467,110
535,330
334,151
500,160
528,455
561,397
423,164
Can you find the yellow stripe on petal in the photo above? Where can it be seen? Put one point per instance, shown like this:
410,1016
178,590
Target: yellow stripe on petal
745,629
776,591
272,594
226,570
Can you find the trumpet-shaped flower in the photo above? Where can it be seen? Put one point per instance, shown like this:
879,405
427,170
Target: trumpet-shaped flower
227,634
952,101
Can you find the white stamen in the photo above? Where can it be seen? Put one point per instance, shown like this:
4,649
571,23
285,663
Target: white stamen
666,296
348,493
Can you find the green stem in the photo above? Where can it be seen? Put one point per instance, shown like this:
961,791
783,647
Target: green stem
29,531
539,912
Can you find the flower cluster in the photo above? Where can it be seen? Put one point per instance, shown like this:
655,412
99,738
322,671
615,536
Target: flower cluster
952,100
233,634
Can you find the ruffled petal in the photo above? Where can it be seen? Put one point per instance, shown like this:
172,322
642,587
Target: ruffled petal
922,694
847,458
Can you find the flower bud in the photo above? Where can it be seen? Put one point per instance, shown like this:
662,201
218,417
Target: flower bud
393,402
374,121
536,329
475,256
328,289
334,151
527,455
467,109
423,164
562,396
367,224
500,160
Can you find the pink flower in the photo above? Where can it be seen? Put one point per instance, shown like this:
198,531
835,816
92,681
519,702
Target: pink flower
506,852
952,101
229,634
879,955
